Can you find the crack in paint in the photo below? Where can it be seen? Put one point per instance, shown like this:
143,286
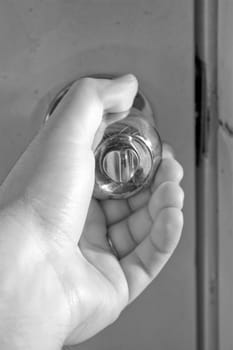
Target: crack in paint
226,127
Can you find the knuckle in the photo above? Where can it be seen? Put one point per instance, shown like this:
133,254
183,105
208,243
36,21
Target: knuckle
171,169
177,169
174,220
84,85
87,88
168,151
180,196
172,192
171,224
87,82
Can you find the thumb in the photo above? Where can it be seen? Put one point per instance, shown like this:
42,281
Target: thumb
55,175
80,113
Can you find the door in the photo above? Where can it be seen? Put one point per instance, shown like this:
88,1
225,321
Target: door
48,42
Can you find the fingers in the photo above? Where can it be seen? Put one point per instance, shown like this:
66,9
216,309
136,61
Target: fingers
156,228
146,239
169,170
168,151
94,232
129,232
144,263
168,194
116,210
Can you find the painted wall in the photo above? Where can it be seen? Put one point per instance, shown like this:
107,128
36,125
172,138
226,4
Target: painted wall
226,173
44,43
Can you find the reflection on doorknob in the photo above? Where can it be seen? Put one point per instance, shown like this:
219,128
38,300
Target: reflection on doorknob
129,153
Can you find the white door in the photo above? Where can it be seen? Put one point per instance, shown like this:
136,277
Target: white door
45,43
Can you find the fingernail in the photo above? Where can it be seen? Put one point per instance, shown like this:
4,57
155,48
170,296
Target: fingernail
128,77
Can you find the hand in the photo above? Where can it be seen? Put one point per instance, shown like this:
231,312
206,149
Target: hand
61,282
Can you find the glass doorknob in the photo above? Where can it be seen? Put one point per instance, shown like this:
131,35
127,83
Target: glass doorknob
121,165
127,158
129,153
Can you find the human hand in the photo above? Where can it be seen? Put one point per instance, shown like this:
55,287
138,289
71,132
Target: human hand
61,282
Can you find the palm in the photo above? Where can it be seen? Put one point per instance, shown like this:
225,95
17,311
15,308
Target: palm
144,231
123,221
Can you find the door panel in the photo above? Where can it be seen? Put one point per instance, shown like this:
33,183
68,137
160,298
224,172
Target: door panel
46,43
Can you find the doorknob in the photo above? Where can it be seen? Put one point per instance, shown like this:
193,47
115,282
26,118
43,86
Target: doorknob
129,153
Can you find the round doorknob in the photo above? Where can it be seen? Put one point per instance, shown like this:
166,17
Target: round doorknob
121,165
130,151
127,158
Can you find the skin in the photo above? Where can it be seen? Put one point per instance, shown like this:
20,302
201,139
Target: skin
60,281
